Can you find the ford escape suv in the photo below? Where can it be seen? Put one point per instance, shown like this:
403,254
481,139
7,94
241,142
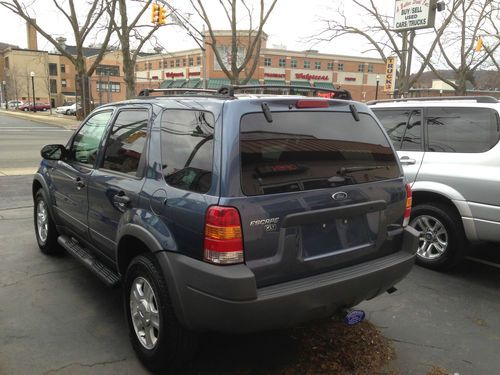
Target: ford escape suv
223,212
450,152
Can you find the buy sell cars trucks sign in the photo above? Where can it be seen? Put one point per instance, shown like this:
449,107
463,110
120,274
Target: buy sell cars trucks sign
414,14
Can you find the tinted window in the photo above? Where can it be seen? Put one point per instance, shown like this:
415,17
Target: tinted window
312,150
86,142
127,141
187,149
466,130
404,127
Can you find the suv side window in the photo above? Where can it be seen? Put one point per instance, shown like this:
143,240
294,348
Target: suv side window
404,127
467,130
127,141
86,142
187,142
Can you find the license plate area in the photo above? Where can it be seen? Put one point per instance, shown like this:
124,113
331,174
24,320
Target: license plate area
339,235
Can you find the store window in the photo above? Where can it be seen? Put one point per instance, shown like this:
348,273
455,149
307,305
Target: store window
361,68
293,63
341,67
282,63
307,64
267,61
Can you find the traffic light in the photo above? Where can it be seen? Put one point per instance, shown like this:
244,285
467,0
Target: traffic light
155,13
162,17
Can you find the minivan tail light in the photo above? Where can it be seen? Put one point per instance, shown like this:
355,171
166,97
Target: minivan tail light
311,103
409,199
223,243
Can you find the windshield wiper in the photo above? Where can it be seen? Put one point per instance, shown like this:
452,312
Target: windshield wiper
343,171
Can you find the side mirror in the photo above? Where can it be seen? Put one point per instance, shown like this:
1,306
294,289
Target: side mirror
53,152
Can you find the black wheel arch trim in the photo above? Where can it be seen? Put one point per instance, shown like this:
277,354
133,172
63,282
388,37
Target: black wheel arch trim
39,178
141,234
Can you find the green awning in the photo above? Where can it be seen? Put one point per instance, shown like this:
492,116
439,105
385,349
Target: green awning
324,85
217,83
253,82
178,83
166,84
193,83
274,82
300,83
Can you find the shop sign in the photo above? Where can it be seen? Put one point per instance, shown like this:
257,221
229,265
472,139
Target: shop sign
414,14
194,74
351,79
390,74
274,75
310,77
154,77
174,75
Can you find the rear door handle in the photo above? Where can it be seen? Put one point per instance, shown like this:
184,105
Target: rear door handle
79,183
121,198
405,160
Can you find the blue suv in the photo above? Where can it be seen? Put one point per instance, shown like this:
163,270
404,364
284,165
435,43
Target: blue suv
224,212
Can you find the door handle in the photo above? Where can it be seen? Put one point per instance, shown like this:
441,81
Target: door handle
121,198
79,183
405,160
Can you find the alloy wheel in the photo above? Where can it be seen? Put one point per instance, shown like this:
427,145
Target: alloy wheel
433,240
144,313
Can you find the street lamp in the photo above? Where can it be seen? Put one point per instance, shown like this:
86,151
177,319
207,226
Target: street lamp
376,89
32,74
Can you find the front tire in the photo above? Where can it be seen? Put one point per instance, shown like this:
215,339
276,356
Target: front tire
157,337
442,241
45,229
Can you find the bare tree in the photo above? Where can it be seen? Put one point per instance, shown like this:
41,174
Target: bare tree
378,32
82,28
239,60
473,20
125,30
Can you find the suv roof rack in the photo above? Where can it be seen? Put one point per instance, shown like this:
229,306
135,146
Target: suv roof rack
478,99
229,90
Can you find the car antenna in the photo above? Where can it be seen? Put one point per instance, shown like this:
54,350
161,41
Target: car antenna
267,112
354,112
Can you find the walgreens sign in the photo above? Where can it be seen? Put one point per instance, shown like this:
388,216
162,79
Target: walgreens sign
311,77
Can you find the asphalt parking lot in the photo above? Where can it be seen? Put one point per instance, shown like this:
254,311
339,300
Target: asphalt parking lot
57,318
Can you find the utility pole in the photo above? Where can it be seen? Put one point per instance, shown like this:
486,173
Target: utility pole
33,87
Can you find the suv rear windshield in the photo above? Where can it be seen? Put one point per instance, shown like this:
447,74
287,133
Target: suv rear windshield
312,150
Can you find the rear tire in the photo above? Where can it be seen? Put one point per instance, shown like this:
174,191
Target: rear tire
442,242
157,337
45,229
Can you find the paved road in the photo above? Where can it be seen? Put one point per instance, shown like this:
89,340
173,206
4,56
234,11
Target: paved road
21,141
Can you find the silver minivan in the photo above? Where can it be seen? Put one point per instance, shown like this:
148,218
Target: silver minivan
450,152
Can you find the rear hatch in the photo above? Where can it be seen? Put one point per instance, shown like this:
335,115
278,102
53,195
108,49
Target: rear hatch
318,190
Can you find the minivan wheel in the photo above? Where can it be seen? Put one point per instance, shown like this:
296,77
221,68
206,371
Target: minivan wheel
157,337
442,240
45,229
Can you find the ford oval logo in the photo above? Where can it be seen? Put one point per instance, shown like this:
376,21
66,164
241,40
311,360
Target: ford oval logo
339,196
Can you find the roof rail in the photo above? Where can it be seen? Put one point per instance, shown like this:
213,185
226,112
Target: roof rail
478,99
230,89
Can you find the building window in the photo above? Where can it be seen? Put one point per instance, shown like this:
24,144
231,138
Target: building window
318,65
307,64
52,69
63,68
267,61
109,70
370,68
159,65
341,67
150,66
183,62
111,86
53,86
63,83
329,66
177,63
361,68
282,63
190,61
172,63
6,62
145,66
293,63
198,60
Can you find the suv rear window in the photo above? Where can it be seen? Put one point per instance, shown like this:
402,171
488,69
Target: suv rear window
312,150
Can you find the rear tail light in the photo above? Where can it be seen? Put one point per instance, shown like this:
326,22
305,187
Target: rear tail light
223,242
406,220
307,103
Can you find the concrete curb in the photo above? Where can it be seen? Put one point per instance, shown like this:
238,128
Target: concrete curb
45,119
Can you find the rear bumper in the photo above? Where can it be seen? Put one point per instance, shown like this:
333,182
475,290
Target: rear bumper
226,299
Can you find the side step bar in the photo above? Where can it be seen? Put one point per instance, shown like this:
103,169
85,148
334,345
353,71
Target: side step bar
104,273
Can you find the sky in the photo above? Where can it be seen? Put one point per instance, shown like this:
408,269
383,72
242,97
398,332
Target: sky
290,24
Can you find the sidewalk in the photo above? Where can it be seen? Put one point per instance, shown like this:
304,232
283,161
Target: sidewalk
67,122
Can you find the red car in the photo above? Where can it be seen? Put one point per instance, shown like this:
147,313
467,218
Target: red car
38,106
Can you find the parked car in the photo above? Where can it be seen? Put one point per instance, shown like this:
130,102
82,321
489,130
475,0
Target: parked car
229,213
450,152
14,103
67,109
38,106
